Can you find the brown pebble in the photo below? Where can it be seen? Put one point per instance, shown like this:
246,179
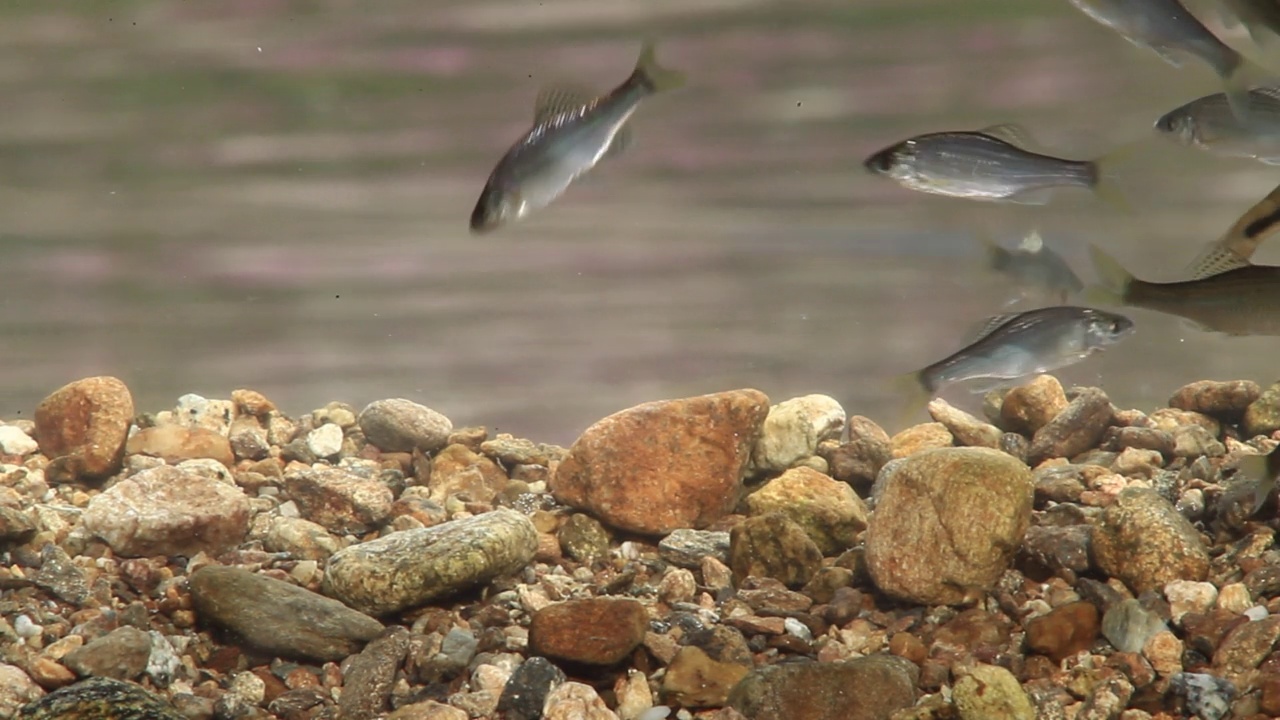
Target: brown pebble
1064,631
595,631
908,646
1225,400
1029,407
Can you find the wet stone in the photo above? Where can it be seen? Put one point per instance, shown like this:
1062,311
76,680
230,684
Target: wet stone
1224,400
399,425
367,681
1145,542
583,538
686,548
59,575
121,654
1245,647
828,511
412,567
990,691
1128,625
1207,696
773,546
867,688
82,428
1063,631
100,699
858,460
17,527
696,680
1059,548
278,617
965,428
1027,408
1141,438
1076,429
175,443
919,438
338,500
593,631
793,429
459,471
526,691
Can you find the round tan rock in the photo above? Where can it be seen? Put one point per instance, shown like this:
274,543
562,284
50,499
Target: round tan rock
664,465
82,428
594,631
1144,541
829,511
948,523
1027,408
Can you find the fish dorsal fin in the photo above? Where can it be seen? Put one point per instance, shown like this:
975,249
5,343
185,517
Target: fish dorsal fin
1010,133
1215,260
988,326
559,98
1269,91
1032,243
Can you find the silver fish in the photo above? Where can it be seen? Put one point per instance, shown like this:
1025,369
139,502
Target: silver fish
1168,29
1016,345
1254,481
1260,17
986,164
1211,124
1033,268
571,134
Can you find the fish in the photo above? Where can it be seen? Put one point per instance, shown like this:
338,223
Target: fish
1032,267
1168,29
1254,481
1011,346
1238,244
1243,299
1260,17
572,132
1209,123
989,164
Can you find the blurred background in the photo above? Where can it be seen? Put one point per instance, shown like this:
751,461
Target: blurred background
274,194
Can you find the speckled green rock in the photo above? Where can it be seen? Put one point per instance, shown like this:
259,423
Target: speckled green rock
410,568
583,538
100,699
774,546
828,511
866,688
990,691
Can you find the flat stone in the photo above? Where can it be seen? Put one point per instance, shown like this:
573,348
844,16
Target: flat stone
594,631
696,680
122,654
1128,625
82,428
175,443
338,500
399,425
1063,631
866,688
366,686
686,548
964,427
1225,400
100,698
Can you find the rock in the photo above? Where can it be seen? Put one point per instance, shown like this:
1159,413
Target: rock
773,546
1164,651
948,523
251,402
165,511
121,654
1208,697
458,471
248,439
1063,631
60,575
1059,548
1234,598
175,443
918,438
965,428
1029,407
686,548
302,539
1192,441
15,441
1107,699
1224,400
325,441
866,688
575,701
526,691
1142,438
1262,417
583,538
593,631
409,568
1245,647
82,428
828,511
16,690
664,465
793,429
366,687
1128,625
279,617
400,425
1076,429
338,500
859,460
1186,596
456,651
990,691
511,451
1146,543
695,680
100,698
17,527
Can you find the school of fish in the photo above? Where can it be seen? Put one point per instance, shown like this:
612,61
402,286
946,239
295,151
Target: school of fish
574,130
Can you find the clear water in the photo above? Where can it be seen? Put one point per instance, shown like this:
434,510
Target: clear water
274,195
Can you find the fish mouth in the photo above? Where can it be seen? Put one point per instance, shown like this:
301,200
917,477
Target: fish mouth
482,220
880,162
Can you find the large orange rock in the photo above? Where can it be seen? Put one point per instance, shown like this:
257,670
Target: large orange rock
82,428
664,465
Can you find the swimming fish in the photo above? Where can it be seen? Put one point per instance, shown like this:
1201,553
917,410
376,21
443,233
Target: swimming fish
1238,244
1032,267
1210,123
1243,299
1168,29
1254,481
988,164
1015,345
1257,16
571,133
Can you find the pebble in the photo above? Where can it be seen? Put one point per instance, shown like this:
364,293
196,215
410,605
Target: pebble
583,538
918,438
526,691
1077,428
1234,597
593,631
511,451
687,548
338,500
828,511
575,701
948,524
16,689
1059,548
122,654
1245,647
1186,596
677,585
82,428
175,443
399,425
867,688
1191,441
1031,406
325,441
618,474
793,429
1262,417
1128,626
635,697
1224,400
459,471
858,460
248,439
1146,543
965,428
367,681
773,546
990,691
60,575
100,698
18,528
165,511
430,710
277,616
301,539
1063,631
15,441
1164,652
1208,697
412,567
696,680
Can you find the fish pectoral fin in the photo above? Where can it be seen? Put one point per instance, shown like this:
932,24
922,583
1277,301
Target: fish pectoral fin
621,141
560,98
1216,259
1011,133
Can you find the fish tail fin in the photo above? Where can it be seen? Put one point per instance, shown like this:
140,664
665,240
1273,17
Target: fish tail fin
652,75
1105,179
1114,279
916,392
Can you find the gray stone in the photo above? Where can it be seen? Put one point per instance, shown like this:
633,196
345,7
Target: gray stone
1128,625
526,691
400,425
121,654
100,698
409,568
279,617
366,686
61,576
793,429
686,548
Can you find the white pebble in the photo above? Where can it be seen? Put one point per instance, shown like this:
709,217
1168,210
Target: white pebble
325,441
798,629
25,628
288,509
13,441
657,712
1257,612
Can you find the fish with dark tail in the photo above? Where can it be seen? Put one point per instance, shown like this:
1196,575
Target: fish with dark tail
572,132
